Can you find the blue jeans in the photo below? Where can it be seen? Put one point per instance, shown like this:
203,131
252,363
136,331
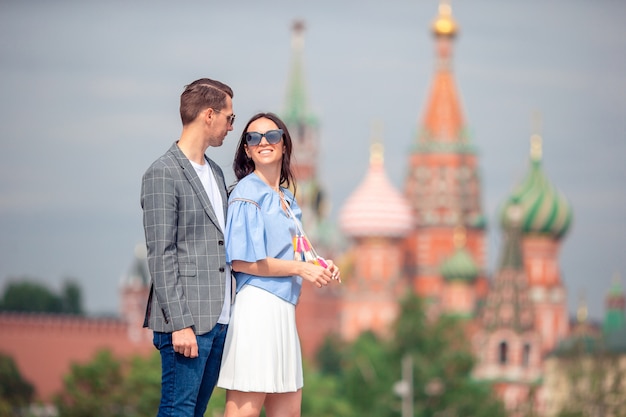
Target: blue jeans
186,383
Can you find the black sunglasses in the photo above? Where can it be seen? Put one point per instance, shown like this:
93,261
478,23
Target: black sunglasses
231,118
272,137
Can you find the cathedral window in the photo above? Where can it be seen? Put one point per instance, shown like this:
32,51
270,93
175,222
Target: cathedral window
502,353
526,355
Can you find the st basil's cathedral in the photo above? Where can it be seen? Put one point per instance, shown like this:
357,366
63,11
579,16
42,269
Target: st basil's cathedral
429,237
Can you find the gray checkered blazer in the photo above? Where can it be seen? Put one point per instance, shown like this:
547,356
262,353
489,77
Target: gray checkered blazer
186,254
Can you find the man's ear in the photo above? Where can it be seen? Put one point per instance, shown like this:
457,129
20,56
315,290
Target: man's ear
208,115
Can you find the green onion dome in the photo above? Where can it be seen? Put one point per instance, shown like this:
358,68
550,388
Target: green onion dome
545,210
460,266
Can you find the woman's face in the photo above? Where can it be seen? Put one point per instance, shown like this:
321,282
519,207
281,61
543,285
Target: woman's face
265,153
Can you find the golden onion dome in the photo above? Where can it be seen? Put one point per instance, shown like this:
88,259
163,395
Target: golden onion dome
444,24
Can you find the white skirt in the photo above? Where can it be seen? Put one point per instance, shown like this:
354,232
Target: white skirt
262,351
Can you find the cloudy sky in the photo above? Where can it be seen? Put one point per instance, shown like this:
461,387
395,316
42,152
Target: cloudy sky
90,96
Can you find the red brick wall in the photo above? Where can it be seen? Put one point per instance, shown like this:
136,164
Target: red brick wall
44,346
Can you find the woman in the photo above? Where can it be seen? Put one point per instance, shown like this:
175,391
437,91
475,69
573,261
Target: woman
262,363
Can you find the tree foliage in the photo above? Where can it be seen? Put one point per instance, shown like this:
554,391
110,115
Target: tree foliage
113,387
366,370
31,296
15,392
442,364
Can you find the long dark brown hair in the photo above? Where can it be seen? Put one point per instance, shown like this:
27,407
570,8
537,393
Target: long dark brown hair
243,165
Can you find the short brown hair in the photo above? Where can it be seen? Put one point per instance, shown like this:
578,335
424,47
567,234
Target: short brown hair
202,94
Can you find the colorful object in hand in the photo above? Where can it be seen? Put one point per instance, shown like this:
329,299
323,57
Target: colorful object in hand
303,251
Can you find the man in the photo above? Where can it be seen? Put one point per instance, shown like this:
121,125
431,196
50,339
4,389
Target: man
183,196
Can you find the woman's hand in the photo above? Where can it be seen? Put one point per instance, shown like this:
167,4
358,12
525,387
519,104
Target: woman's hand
309,271
334,270
316,274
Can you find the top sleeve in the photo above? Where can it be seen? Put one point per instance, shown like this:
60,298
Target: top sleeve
245,232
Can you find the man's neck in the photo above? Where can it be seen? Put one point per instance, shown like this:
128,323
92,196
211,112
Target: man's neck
192,147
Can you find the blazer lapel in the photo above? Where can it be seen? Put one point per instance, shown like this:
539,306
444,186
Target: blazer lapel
196,184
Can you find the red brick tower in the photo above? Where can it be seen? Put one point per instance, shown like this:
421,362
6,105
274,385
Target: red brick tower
377,217
507,344
546,219
443,183
318,309
304,129
134,291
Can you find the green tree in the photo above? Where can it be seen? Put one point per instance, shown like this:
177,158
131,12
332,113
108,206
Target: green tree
142,386
93,386
113,387
369,372
442,364
15,392
71,298
321,396
30,296
329,355
119,387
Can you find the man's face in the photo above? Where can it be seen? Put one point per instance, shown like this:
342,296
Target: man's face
222,123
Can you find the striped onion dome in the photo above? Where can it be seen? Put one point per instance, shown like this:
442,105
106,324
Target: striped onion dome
376,208
545,210
460,266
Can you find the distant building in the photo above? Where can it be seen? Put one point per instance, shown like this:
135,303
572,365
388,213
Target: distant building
431,240
587,370
377,218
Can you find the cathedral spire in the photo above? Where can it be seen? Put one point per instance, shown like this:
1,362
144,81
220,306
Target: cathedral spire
443,119
443,182
296,106
377,149
303,127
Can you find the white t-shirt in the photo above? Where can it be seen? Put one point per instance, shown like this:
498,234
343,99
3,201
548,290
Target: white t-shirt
205,173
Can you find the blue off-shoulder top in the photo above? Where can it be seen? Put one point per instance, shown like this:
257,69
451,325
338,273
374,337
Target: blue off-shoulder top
257,228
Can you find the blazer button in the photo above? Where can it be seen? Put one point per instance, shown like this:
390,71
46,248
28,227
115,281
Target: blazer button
220,242
222,269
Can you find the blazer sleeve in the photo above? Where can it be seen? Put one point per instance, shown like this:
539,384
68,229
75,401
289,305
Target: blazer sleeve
160,218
